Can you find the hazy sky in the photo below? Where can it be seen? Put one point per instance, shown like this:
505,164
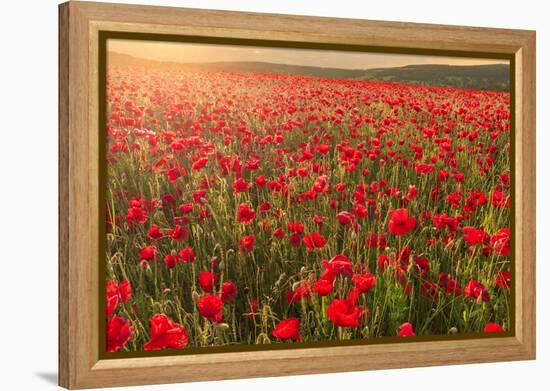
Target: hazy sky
189,52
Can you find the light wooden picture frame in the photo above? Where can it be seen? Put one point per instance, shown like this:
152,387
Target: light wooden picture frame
82,26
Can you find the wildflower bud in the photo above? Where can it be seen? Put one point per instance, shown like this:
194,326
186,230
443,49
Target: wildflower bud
222,326
148,270
196,297
214,263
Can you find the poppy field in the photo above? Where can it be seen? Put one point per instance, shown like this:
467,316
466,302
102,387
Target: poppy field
247,209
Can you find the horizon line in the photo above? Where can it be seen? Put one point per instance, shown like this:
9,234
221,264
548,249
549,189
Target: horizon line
302,65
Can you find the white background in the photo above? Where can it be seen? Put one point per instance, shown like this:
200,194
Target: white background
28,197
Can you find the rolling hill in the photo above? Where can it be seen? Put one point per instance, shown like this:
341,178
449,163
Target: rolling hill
483,77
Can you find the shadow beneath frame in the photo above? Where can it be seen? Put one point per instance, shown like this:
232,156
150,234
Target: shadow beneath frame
48,377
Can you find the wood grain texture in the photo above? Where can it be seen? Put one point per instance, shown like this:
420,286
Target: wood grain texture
526,194
78,285
63,220
172,20
79,363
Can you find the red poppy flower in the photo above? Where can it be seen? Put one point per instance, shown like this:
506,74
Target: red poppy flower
166,334
252,165
302,292
345,218
476,290
187,255
422,168
199,197
500,242
186,208
247,243
364,282
210,306
453,287
200,163
245,215
253,308
459,177
125,290
228,292
174,173
450,285
313,241
179,233
376,241
240,185
112,296
119,332
148,253
454,198
406,330
474,236
422,265
503,280
295,227
339,264
207,280
204,214
340,187
429,289
443,221
412,193
295,239
323,287
344,313
443,175
261,181
360,211
154,233
321,184
400,222
505,178
323,149
500,200
136,215
302,172
475,199
168,200
493,328
318,220
279,233
288,329
170,261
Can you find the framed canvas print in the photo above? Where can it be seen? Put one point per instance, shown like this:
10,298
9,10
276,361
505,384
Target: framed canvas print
248,195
